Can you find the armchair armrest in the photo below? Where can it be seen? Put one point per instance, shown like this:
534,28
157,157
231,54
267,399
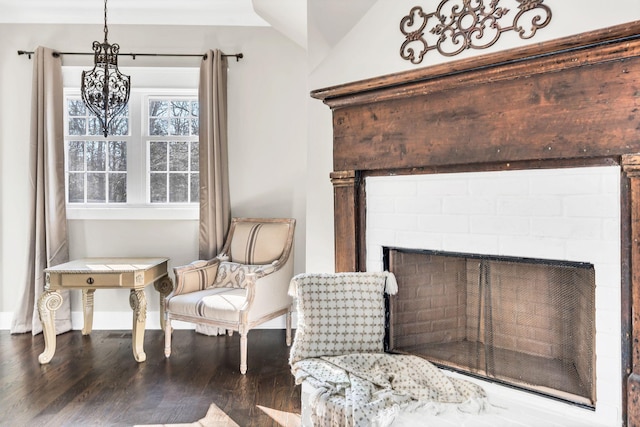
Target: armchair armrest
267,269
235,275
268,292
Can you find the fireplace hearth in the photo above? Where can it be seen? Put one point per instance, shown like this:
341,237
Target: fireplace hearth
528,323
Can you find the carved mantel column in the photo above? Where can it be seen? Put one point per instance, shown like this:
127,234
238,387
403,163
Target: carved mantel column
346,202
631,168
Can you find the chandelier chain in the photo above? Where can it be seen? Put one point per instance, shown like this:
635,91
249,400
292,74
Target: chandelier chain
106,29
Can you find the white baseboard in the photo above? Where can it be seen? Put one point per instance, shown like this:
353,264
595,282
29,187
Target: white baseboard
122,320
5,319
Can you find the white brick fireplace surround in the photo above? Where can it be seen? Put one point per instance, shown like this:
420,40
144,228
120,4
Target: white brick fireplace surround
561,214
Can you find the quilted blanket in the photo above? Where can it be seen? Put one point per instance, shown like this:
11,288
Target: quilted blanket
369,389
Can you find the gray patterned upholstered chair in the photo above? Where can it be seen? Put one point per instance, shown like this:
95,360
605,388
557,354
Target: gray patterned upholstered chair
338,314
244,286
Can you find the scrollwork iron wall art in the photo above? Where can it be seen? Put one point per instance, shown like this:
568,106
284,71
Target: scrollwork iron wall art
467,24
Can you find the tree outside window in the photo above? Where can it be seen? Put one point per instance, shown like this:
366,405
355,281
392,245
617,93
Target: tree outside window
173,151
96,167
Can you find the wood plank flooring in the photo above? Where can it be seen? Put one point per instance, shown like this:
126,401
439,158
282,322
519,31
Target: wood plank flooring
95,381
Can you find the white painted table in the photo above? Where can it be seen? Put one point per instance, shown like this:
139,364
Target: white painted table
89,274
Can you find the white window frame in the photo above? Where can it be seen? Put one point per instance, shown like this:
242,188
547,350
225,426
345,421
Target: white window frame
162,138
160,82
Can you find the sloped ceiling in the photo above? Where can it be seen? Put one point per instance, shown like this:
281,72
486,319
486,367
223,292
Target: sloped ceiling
331,19
289,17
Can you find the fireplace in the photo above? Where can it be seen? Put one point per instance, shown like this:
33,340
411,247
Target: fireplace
568,103
528,323
549,240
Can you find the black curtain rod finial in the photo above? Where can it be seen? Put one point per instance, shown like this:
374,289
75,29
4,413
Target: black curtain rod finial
238,56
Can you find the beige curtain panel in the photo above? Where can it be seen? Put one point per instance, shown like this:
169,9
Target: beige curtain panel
48,244
215,210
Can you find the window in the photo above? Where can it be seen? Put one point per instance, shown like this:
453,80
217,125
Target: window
149,161
96,167
173,153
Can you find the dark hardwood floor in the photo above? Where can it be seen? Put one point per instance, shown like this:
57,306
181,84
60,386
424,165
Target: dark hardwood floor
94,380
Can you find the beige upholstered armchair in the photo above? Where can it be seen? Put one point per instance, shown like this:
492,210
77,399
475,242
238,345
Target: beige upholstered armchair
244,286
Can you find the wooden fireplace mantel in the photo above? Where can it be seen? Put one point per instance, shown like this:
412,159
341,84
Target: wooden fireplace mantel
565,103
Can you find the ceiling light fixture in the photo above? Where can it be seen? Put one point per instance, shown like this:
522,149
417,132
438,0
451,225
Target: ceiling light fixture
105,90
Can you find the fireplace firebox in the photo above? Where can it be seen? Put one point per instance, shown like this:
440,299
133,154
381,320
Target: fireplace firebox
528,323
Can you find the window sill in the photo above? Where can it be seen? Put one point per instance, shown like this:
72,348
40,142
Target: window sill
175,213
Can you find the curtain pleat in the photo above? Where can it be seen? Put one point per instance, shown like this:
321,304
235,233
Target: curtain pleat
48,245
215,210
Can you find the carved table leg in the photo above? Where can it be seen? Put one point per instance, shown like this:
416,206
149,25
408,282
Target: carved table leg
138,303
48,303
87,309
164,286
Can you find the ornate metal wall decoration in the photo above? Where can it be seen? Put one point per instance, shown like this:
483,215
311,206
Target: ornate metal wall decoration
468,24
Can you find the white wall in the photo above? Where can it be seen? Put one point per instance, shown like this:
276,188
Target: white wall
271,83
267,93
372,49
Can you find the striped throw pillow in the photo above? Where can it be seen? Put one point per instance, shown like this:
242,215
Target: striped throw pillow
195,276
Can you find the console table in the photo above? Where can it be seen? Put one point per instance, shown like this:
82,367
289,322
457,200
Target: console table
89,274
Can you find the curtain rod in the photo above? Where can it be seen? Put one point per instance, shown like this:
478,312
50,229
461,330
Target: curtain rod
238,56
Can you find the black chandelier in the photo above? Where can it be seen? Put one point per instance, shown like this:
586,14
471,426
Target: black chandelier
105,90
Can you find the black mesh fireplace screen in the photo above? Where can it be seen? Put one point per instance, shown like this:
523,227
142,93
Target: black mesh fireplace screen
528,323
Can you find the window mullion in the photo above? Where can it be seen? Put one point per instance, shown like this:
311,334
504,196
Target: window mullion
85,170
136,161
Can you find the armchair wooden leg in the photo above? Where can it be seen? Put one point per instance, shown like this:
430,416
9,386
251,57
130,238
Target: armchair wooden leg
288,326
167,338
243,352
